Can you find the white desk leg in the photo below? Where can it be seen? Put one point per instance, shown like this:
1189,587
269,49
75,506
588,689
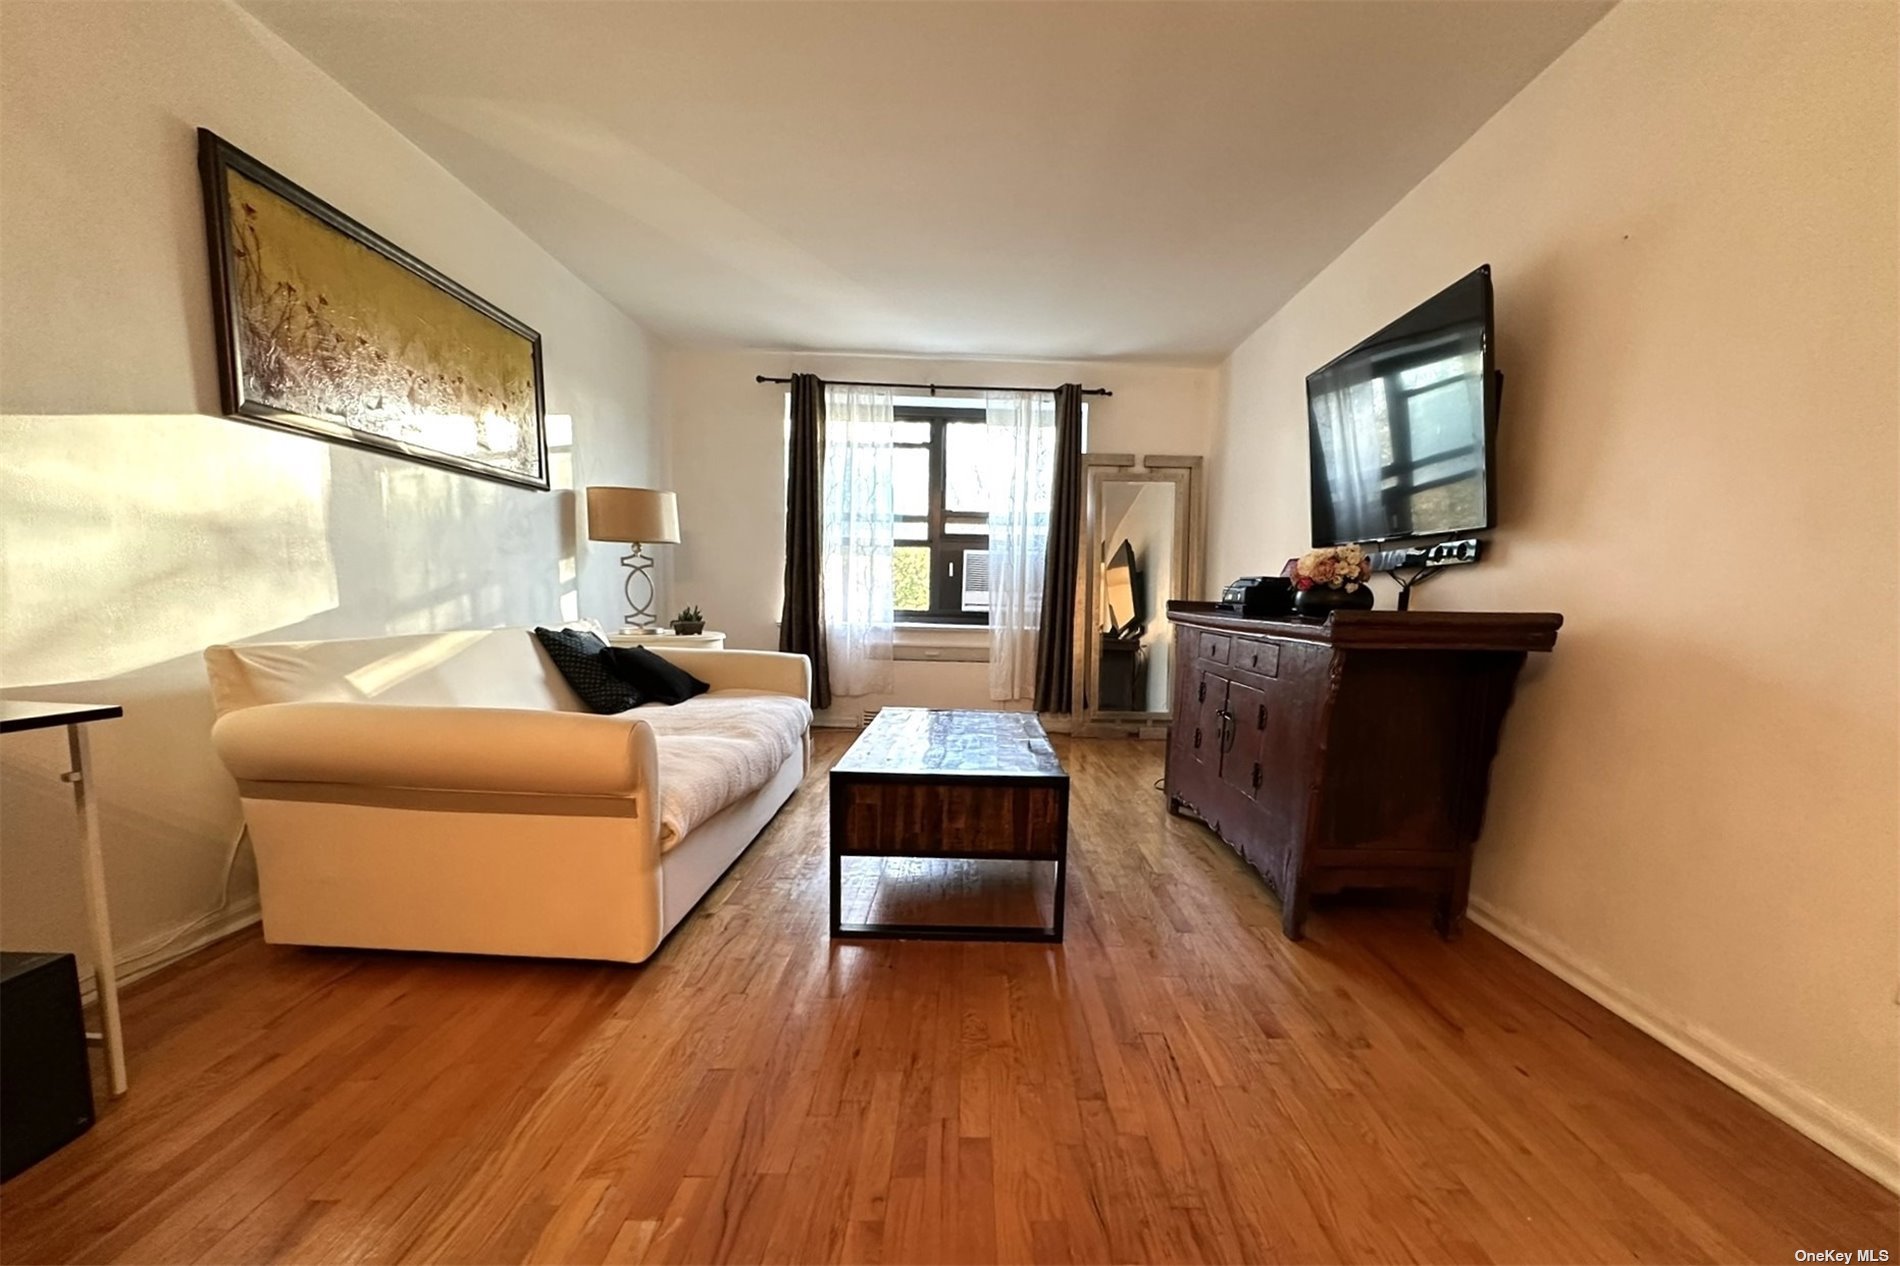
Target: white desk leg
92,873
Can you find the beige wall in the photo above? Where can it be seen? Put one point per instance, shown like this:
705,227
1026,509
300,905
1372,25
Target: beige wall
1692,219
136,526
728,443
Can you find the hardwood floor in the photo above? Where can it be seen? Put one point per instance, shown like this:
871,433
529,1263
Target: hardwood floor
1175,1083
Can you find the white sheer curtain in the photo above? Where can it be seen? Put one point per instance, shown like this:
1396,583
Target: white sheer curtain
858,526
1022,444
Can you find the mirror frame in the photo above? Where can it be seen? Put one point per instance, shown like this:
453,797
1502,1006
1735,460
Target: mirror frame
1190,514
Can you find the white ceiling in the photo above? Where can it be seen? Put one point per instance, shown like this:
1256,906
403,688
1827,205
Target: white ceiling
1059,180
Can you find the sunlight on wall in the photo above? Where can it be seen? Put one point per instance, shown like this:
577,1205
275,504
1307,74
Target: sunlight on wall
560,433
560,428
129,540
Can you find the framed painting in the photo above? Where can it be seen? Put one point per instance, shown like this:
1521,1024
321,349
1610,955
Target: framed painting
329,329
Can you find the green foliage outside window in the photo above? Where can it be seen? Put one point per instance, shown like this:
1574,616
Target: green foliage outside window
910,578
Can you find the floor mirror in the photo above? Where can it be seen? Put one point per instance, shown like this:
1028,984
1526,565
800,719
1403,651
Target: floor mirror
1140,546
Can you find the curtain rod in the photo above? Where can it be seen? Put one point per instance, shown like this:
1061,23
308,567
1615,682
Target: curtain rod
934,387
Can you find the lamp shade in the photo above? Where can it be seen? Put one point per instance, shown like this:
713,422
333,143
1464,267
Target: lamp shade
645,516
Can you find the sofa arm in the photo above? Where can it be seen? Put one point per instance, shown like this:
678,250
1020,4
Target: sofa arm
439,748
771,671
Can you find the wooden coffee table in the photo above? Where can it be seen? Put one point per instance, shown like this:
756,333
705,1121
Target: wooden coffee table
980,786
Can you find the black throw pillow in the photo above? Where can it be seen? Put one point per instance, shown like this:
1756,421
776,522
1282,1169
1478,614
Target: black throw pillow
656,680
582,659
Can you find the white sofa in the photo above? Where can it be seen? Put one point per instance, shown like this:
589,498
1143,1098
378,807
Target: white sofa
449,792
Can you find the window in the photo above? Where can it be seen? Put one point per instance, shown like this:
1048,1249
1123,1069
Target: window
1432,444
940,556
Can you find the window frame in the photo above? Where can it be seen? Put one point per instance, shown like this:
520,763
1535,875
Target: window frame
1400,485
946,547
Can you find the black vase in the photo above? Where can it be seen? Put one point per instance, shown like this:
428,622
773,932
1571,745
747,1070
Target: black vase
1322,600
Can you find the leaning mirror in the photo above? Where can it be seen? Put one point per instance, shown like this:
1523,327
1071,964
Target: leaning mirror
1140,546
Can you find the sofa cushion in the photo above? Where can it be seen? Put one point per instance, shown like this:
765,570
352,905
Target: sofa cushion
652,678
717,748
482,668
582,660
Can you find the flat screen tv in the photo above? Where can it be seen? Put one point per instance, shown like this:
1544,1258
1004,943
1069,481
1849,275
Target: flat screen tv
1122,593
1400,427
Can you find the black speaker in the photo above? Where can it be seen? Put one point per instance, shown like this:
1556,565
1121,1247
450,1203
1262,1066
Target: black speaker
45,1081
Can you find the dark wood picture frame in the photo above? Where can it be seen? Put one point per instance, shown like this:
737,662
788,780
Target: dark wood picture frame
217,158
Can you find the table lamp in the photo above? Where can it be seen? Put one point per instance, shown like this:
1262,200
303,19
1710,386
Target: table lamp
638,517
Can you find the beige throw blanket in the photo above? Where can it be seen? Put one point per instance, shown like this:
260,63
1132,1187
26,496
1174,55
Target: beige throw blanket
718,748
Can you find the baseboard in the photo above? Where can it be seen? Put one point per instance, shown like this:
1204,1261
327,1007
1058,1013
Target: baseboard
155,953
1856,1141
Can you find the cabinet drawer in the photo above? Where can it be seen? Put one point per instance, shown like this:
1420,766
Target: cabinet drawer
1215,647
1257,656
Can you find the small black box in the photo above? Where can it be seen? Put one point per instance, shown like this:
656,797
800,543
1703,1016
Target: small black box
45,1081
1258,597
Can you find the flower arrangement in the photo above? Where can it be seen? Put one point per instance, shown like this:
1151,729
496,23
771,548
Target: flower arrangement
1336,567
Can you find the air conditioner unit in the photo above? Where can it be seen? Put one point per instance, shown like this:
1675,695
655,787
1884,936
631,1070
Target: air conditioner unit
976,580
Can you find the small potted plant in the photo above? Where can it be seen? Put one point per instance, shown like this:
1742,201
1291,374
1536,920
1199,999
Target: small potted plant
689,621
1332,579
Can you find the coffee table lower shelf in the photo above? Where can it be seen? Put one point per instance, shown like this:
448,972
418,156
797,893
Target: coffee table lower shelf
1043,933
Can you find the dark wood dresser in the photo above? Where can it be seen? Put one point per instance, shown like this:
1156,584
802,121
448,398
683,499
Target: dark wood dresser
1353,752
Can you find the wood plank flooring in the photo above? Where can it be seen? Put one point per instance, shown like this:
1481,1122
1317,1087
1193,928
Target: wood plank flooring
1175,1083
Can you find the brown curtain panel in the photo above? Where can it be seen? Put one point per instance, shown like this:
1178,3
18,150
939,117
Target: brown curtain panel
1055,642
801,627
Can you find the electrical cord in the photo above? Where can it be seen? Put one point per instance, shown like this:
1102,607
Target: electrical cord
224,897
1407,584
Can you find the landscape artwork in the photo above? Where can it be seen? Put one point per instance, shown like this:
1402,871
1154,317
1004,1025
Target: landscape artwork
328,329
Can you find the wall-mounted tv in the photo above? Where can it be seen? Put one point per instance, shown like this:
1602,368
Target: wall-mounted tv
1400,427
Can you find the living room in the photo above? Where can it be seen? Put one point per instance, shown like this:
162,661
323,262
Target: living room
364,1015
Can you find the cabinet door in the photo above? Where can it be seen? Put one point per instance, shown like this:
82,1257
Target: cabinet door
1207,709
1244,739
1256,782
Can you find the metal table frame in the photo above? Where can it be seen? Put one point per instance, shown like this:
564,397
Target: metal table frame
17,715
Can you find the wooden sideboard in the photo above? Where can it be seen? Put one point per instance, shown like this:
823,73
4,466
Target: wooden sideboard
1350,752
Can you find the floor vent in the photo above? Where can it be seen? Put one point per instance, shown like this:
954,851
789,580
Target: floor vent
870,715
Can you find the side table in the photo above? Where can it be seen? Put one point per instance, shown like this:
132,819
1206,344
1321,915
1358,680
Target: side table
704,641
22,714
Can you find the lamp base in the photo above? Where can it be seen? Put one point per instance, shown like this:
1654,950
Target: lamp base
639,565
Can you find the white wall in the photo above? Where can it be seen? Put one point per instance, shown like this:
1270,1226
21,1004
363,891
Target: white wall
728,438
1692,218
136,525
